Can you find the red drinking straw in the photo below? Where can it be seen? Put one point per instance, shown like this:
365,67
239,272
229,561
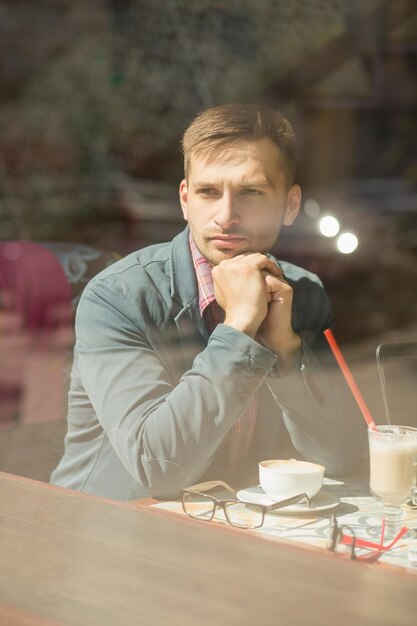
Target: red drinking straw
349,379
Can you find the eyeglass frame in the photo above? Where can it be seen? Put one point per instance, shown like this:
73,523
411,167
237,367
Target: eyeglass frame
265,508
337,537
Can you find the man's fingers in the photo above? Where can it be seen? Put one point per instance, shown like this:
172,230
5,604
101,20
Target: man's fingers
257,261
275,276
262,262
277,288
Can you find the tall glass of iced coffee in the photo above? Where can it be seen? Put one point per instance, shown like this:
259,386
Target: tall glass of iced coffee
393,460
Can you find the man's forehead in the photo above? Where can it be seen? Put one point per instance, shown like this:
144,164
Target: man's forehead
235,151
252,161
208,177
220,157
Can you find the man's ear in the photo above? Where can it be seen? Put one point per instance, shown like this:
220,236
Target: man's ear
184,197
293,205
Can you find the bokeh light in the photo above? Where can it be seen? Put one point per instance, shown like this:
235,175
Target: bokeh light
312,208
347,243
329,226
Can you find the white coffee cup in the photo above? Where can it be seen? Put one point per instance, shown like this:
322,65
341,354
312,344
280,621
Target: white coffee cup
285,478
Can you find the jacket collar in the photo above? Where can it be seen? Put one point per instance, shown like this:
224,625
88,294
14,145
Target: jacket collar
184,288
183,279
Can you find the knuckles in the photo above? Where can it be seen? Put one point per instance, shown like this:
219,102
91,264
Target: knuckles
250,264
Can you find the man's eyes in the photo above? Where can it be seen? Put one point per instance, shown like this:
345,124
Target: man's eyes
212,191
207,191
248,191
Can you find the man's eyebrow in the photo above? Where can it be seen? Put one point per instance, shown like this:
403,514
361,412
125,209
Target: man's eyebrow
204,183
258,182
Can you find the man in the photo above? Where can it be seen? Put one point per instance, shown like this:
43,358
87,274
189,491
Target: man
193,358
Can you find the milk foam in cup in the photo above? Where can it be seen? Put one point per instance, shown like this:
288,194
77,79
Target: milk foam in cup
393,455
282,479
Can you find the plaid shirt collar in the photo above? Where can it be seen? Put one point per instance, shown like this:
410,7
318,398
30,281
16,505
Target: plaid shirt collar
205,284
240,436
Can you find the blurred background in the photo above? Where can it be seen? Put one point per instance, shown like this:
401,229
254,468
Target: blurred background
94,97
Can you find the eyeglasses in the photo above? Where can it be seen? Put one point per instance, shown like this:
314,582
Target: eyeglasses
345,535
197,503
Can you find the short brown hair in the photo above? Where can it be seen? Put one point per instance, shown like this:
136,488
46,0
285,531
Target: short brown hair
228,123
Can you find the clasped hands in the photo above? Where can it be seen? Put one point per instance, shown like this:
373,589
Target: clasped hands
257,300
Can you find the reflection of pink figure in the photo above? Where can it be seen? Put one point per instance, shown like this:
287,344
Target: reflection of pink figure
35,333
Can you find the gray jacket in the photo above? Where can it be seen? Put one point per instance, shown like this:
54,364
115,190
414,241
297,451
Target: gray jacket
153,396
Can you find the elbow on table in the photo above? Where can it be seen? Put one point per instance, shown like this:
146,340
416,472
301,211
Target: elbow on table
163,478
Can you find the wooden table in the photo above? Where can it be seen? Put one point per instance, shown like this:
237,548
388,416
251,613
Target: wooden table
357,509
76,559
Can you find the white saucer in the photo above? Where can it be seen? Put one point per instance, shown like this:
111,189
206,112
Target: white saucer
321,502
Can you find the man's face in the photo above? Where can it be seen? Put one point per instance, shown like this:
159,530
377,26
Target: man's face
237,201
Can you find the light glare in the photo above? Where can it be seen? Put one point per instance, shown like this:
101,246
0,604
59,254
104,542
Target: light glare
312,208
347,243
329,226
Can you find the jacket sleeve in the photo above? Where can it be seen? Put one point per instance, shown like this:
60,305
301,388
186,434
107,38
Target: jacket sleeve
318,409
164,431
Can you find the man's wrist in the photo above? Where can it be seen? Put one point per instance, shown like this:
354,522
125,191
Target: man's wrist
288,353
245,326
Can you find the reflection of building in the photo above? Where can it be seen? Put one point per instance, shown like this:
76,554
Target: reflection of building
94,98
86,87
371,289
356,95
150,208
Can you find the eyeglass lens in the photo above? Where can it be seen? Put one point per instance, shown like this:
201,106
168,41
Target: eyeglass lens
238,514
244,515
198,505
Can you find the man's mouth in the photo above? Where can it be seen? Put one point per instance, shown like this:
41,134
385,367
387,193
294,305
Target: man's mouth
226,241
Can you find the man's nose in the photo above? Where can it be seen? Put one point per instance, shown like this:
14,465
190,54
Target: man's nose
227,214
